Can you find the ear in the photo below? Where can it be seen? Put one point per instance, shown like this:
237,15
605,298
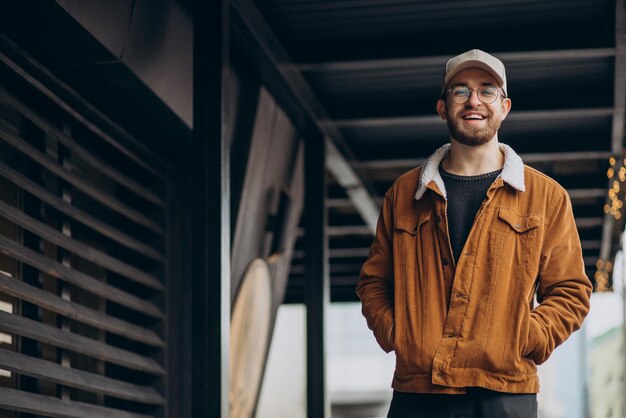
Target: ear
506,107
441,109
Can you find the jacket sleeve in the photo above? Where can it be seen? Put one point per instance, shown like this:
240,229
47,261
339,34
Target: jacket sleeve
564,289
375,287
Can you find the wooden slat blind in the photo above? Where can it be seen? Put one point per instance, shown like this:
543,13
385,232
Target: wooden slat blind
82,263
88,253
48,406
28,365
78,312
76,149
78,182
78,215
77,278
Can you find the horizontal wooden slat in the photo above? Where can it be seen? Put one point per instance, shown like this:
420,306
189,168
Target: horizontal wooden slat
15,324
77,214
79,183
78,108
42,369
76,149
77,278
46,300
48,406
81,249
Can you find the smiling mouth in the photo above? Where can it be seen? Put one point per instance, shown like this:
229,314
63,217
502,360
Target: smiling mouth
473,116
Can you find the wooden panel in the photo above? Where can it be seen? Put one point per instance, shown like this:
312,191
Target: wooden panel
16,400
78,182
41,369
253,211
105,229
281,267
82,250
77,278
78,312
14,324
81,152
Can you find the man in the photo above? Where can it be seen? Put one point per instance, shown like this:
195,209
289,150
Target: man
462,245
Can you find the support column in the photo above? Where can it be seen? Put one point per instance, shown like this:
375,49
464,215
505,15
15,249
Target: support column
317,288
210,211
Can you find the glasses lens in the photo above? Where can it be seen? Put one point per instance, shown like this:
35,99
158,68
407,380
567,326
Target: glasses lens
488,94
460,94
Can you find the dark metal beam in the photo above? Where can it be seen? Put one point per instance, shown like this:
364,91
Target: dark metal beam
342,203
520,116
317,287
283,73
337,253
211,211
575,194
440,61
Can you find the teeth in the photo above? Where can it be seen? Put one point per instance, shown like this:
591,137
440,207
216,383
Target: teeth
478,117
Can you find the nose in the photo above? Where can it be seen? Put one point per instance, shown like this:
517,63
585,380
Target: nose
473,98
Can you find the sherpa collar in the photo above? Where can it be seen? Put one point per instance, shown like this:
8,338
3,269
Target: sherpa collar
512,172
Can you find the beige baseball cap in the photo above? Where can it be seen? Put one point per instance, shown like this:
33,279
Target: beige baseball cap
475,59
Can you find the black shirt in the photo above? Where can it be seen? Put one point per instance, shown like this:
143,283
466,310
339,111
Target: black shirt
465,195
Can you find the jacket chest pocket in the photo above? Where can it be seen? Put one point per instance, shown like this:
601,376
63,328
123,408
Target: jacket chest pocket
409,234
520,237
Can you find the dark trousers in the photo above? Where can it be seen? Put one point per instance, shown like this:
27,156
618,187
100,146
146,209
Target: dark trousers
477,403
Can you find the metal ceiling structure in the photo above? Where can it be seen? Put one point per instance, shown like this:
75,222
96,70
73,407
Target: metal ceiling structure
367,74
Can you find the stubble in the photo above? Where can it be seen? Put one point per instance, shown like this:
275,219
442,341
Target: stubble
472,135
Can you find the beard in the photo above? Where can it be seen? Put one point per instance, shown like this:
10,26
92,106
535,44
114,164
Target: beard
472,135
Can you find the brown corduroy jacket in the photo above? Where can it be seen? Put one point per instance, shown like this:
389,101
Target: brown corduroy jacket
472,322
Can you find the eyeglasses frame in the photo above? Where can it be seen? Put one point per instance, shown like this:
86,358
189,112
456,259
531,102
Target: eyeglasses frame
498,89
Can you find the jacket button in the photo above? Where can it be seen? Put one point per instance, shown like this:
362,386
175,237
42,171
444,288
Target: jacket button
445,262
518,226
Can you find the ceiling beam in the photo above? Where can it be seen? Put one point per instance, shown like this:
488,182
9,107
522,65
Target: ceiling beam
342,203
586,223
586,193
338,253
440,61
610,236
279,71
517,116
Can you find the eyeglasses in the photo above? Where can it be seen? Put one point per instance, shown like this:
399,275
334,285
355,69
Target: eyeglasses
461,94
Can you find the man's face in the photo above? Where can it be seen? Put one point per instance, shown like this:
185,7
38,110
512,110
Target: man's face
473,123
